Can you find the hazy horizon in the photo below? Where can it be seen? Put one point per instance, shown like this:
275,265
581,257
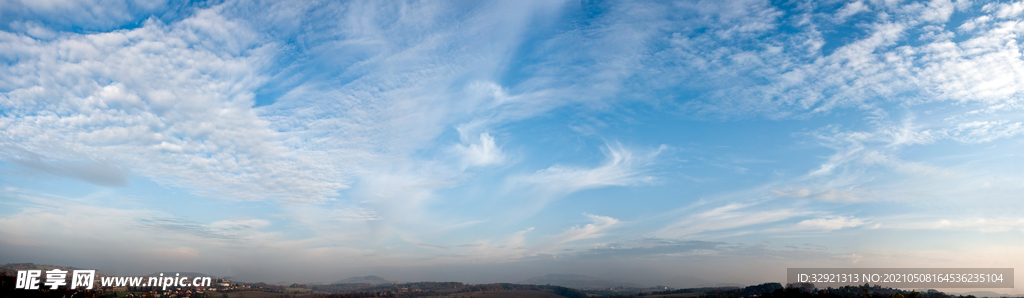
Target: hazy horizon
661,143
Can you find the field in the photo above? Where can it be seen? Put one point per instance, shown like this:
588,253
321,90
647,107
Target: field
502,294
123,294
298,290
259,294
681,295
482,294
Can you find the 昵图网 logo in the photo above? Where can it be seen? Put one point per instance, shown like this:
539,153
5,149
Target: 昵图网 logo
34,279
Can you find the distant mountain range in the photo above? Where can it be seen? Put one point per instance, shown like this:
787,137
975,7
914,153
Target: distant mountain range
369,279
577,281
28,266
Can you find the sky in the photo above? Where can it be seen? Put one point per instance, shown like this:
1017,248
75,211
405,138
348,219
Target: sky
677,143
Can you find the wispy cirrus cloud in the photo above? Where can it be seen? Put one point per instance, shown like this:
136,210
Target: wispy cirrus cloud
620,168
727,217
794,74
589,231
998,223
827,223
828,195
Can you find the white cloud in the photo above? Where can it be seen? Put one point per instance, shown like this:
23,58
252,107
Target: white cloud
992,224
355,214
819,225
850,9
828,195
880,165
791,74
482,153
620,168
985,131
830,223
589,231
162,100
89,15
1005,10
726,217
937,11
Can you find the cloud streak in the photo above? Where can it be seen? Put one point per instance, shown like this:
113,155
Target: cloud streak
620,168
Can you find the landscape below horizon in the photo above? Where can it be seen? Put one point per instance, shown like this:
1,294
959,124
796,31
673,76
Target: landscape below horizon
547,286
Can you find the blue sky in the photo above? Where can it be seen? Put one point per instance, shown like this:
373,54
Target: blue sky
676,143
